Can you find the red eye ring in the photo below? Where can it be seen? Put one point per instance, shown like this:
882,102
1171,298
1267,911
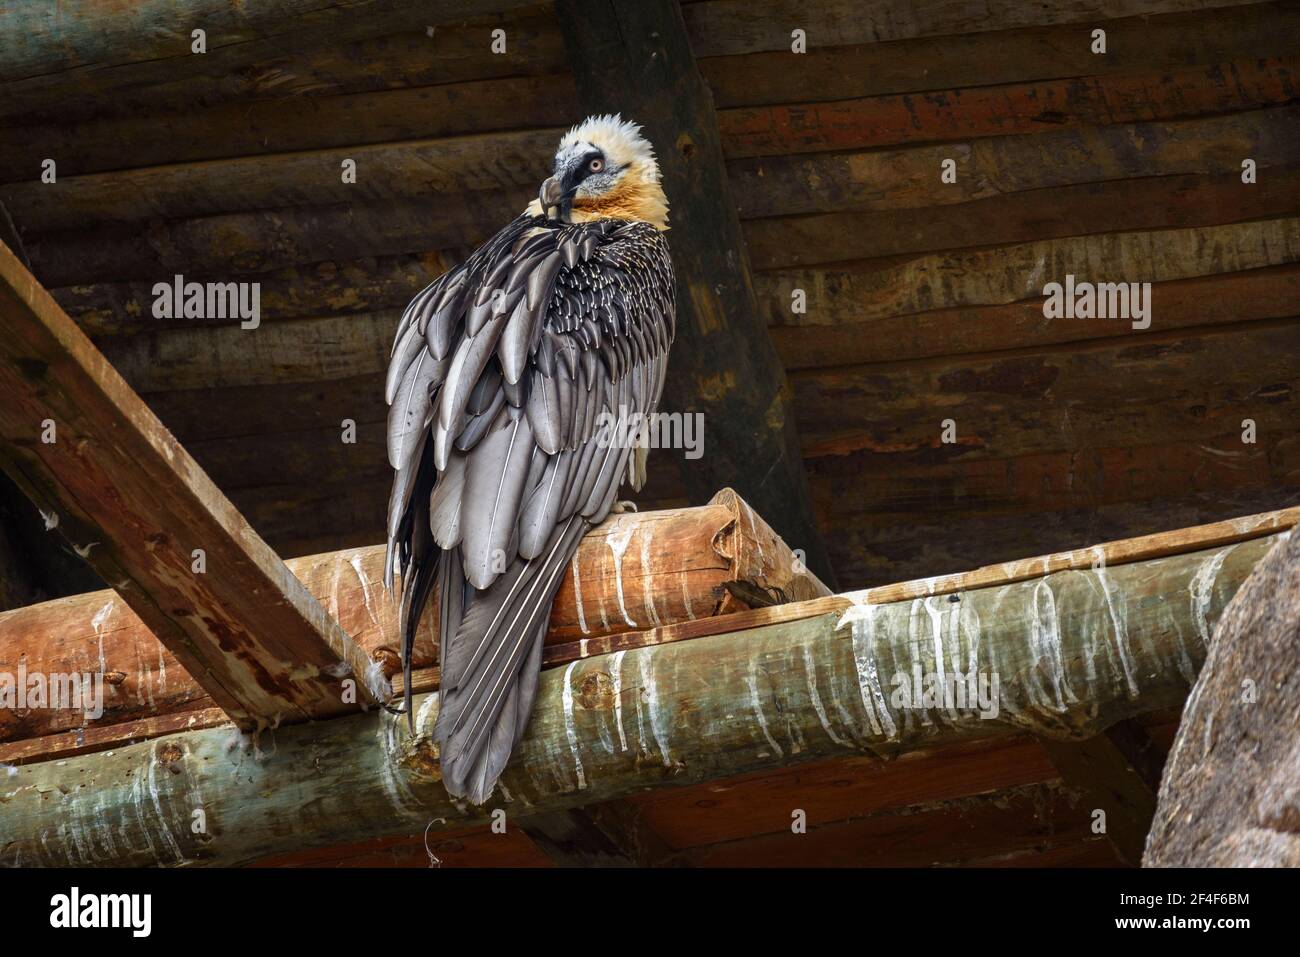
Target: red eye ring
596,165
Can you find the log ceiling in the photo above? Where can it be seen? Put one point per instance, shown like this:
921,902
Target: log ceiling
924,305
923,297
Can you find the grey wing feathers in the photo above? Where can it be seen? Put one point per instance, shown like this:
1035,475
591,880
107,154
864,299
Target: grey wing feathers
507,374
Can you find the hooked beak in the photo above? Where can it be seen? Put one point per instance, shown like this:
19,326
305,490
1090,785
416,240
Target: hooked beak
552,196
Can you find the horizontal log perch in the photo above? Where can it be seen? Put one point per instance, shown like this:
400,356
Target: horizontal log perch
636,571
1071,653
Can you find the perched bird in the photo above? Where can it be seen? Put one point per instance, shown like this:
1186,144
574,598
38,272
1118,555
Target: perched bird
500,372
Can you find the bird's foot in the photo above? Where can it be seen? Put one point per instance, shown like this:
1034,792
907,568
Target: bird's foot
621,507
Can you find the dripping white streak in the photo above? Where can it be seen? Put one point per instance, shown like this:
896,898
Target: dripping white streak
577,598
617,538
616,676
570,728
656,714
751,679
647,581
1121,632
810,669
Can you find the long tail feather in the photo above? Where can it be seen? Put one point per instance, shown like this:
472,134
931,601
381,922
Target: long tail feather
485,705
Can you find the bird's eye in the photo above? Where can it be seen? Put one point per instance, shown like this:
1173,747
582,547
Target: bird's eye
596,165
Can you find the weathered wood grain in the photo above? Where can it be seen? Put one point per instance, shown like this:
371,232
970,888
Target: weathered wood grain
708,708
254,242
48,40
861,292
304,350
378,283
892,120
902,491
296,292
384,172
71,51
761,186
748,26
966,832
263,410
1181,385
1108,772
123,492
1122,205
303,122
836,294
884,551
1136,44
846,787
501,106
1267,293
909,177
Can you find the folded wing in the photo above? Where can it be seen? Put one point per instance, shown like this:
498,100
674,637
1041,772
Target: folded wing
517,385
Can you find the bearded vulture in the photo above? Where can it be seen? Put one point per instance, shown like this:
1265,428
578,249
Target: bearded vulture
501,372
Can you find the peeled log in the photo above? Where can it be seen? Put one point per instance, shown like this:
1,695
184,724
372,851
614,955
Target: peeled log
636,571
1074,652
1231,790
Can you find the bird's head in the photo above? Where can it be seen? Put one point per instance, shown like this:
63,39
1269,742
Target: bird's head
604,169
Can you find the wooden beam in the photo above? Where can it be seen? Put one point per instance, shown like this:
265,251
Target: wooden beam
609,834
402,118
1113,206
57,53
979,830
747,26
1270,292
386,171
634,57
635,571
240,243
896,410
903,178
956,114
970,60
293,123
1108,769
1063,648
571,838
304,217
419,99
473,170
375,283
110,479
302,67
414,163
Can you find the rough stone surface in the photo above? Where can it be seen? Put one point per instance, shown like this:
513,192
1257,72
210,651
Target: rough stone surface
1231,790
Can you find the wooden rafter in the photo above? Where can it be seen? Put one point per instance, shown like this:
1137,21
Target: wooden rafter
1063,646
112,480
59,53
634,57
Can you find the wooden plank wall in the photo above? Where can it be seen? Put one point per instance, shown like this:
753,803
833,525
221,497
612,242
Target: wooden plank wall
923,297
